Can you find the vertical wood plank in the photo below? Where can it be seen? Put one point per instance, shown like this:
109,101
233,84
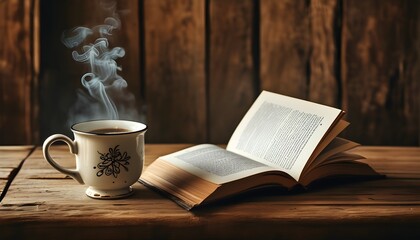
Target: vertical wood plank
129,39
284,46
380,63
61,74
174,70
36,53
231,65
16,72
324,83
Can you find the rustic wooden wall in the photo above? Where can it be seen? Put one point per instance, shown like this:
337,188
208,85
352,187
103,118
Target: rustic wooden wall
18,72
196,66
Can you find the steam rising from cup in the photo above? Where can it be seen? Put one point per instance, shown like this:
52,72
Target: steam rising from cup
106,95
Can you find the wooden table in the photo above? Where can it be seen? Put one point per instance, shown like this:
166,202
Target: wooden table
40,203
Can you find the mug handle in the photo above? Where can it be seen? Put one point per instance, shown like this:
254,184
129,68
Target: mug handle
73,149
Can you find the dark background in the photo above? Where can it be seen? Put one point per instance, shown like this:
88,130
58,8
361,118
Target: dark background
196,66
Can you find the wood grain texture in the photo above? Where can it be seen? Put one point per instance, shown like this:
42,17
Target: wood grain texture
324,85
175,70
16,72
285,47
42,201
380,49
11,158
129,38
232,70
194,67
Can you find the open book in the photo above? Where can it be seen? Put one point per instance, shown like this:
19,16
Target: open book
280,141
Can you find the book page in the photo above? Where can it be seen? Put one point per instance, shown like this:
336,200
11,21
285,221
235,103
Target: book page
214,163
337,146
326,141
282,131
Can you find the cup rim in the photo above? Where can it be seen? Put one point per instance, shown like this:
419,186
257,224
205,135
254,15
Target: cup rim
142,127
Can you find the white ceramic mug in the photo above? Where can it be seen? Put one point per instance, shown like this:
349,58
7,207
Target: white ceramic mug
109,156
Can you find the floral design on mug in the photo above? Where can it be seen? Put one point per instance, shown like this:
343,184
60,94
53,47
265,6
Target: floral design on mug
112,161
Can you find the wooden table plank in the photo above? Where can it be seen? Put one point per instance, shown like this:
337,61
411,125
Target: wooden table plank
41,200
10,158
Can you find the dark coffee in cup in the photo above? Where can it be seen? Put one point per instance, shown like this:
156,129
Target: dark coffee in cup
109,130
